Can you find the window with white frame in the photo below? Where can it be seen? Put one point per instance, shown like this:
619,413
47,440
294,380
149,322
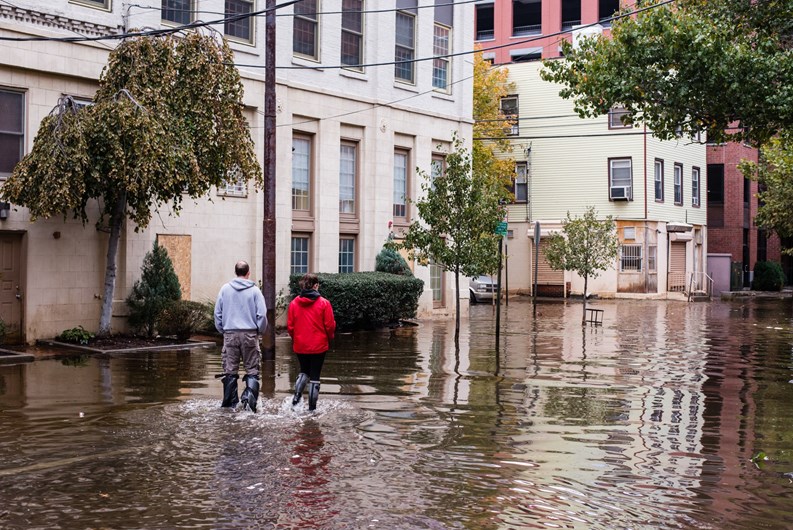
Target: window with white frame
352,34
177,11
348,169
615,118
400,184
12,130
436,283
678,183
405,47
241,29
346,254
521,187
652,258
631,258
300,254
101,4
301,173
509,108
620,179
659,180
440,65
437,168
305,27
234,184
695,186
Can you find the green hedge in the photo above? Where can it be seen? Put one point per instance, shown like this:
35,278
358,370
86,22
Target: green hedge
367,300
768,276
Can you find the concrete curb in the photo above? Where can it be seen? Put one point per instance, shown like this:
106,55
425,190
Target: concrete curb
189,345
15,357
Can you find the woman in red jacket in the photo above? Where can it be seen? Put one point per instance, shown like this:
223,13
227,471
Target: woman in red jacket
311,325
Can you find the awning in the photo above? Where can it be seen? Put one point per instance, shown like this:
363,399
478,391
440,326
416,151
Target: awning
679,227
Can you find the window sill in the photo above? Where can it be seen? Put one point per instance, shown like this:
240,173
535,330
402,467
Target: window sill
446,96
303,60
353,74
406,87
241,42
231,194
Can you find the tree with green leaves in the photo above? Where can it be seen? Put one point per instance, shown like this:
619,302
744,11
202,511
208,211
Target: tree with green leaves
774,172
458,215
166,121
722,67
156,290
586,246
490,85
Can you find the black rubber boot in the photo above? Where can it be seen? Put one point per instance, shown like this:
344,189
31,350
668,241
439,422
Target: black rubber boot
300,384
229,390
251,393
313,395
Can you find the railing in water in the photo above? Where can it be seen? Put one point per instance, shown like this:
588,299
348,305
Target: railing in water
700,283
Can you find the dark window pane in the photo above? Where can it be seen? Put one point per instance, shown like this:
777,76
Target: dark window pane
10,152
12,105
240,29
303,37
177,11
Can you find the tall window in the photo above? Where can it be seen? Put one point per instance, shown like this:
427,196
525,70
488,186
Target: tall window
620,179
659,180
306,27
606,9
652,258
695,186
485,24
571,14
299,255
631,258
509,108
352,33
348,167
400,184
526,17
301,173
521,189
12,130
177,11
239,29
405,47
346,254
438,168
715,195
440,66
436,284
678,184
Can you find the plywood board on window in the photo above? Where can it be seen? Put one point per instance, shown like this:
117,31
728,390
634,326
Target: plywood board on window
180,250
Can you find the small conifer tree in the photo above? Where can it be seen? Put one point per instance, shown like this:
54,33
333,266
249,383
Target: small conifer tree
391,261
157,288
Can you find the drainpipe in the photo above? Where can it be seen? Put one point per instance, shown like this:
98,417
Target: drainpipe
646,220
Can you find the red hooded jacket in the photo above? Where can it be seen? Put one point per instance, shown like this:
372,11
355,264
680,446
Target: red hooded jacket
310,323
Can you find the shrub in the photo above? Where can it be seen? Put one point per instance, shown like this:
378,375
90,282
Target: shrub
391,261
157,288
768,276
76,335
3,330
184,318
367,300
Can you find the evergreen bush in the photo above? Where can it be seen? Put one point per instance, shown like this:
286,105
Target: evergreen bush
184,318
367,300
391,261
157,288
768,276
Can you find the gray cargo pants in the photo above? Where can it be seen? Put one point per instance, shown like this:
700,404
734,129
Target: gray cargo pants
241,344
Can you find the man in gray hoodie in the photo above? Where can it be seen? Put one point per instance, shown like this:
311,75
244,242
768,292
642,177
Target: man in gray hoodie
241,316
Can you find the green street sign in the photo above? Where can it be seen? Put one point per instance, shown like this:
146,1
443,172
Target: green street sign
501,229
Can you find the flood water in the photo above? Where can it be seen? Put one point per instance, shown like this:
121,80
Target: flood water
650,421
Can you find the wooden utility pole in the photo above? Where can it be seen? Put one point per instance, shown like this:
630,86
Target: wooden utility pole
268,232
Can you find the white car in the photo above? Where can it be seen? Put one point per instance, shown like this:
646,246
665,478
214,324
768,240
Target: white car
482,289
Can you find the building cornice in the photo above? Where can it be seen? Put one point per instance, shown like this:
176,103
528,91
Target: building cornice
50,21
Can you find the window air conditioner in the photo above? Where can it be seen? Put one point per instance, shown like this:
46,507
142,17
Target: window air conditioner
620,193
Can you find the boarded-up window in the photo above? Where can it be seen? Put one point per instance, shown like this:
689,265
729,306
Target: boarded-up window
180,250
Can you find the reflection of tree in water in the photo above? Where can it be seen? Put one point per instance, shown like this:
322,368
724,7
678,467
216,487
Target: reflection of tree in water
312,498
157,376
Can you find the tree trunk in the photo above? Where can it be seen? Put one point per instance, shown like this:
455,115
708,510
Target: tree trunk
583,316
116,223
457,310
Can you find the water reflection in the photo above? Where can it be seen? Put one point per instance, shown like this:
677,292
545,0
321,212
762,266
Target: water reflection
650,421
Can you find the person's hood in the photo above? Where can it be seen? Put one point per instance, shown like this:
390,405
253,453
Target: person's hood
307,297
240,284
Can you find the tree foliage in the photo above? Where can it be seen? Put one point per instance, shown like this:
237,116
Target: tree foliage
157,289
490,85
458,215
166,122
586,246
774,171
720,67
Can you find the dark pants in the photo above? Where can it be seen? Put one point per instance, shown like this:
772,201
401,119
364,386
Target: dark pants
311,364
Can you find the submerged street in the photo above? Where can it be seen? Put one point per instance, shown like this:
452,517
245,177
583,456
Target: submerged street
650,421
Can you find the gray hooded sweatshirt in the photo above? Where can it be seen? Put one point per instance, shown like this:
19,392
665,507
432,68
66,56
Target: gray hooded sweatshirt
240,307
